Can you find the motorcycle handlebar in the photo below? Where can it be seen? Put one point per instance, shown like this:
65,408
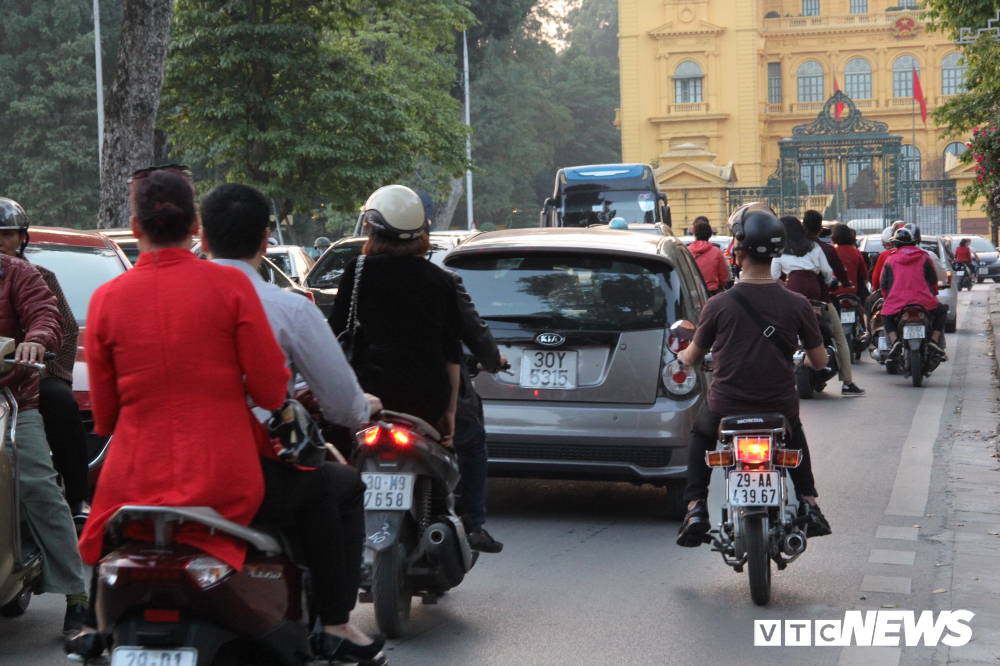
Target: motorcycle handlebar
48,356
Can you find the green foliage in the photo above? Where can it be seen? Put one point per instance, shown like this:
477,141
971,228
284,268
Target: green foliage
314,99
48,107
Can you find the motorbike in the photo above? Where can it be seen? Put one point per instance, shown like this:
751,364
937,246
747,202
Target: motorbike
759,525
917,361
880,346
416,545
852,319
20,555
963,274
807,380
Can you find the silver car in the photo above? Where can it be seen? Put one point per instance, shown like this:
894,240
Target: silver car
583,316
293,261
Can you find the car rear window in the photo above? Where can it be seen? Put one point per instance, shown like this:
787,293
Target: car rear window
330,268
80,271
283,262
570,291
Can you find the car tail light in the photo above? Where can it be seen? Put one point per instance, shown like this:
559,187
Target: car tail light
161,616
677,380
311,296
787,457
719,458
400,437
207,571
370,436
753,449
677,345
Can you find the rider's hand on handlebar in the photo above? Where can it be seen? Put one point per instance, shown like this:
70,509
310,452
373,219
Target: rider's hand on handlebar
30,352
682,357
374,404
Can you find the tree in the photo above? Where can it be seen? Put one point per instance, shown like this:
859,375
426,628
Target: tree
48,110
313,101
130,110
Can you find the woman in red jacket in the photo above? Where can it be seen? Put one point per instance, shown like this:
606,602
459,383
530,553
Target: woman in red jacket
853,261
711,262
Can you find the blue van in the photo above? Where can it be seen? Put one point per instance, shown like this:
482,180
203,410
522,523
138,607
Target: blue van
588,195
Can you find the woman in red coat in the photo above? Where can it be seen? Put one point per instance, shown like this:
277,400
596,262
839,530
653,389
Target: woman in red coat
853,260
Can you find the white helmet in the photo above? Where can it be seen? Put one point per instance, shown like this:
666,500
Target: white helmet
888,232
395,211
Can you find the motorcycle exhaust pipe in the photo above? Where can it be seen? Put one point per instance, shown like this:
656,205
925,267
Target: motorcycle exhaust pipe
441,547
794,544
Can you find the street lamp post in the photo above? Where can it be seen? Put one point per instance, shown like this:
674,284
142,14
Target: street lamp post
100,82
468,140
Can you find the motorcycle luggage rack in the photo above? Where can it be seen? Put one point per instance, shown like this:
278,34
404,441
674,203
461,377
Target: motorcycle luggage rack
166,518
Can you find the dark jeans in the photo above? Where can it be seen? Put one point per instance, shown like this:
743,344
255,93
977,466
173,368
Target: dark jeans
323,510
66,436
470,446
705,437
939,317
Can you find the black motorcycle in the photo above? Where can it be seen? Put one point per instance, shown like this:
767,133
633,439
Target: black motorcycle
963,275
417,545
807,380
917,360
852,319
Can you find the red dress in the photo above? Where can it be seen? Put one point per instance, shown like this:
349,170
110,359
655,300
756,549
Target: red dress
173,348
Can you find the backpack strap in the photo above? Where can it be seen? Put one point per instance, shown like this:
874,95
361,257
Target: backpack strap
767,330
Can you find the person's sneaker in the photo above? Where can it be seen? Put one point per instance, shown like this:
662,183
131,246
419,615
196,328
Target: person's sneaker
895,352
482,541
817,525
937,350
695,526
75,615
852,390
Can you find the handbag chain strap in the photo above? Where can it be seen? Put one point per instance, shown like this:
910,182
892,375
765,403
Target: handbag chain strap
354,294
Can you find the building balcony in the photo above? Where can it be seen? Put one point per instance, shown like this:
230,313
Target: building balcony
794,24
687,109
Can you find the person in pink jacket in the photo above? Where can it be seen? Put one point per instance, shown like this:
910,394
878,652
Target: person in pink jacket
711,262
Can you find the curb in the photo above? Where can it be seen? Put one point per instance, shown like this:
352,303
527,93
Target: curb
994,324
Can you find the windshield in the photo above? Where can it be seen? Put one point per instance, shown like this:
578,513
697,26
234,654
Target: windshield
570,291
874,245
80,270
982,245
586,208
129,247
283,262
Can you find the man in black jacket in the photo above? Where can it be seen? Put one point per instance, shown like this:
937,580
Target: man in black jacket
470,431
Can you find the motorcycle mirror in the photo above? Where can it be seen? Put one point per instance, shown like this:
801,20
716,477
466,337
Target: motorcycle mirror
682,329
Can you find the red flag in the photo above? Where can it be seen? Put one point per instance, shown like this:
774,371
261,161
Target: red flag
839,108
918,94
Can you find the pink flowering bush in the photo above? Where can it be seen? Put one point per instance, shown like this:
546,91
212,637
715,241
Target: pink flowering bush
984,151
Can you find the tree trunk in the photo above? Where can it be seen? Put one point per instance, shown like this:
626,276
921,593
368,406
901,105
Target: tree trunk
130,111
443,220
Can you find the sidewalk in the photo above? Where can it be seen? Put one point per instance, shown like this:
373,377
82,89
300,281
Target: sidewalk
973,495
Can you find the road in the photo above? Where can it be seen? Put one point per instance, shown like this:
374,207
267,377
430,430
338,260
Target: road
590,574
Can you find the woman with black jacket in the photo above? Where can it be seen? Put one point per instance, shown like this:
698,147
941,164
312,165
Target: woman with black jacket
407,344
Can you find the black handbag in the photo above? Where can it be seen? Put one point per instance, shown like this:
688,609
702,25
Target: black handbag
296,437
349,338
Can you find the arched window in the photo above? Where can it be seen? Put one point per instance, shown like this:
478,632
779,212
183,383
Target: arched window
902,76
810,77
953,74
687,83
955,148
909,163
858,79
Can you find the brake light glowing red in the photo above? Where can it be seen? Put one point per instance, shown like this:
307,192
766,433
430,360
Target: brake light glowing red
845,304
311,296
371,436
400,437
163,616
753,449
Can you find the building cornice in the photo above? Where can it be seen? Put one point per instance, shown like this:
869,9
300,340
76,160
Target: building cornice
699,28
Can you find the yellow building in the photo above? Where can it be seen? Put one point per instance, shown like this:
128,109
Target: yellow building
709,88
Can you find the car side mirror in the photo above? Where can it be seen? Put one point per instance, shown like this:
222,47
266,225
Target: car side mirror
665,213
682,329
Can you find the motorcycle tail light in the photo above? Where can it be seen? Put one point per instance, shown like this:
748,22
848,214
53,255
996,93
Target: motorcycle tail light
370,436
753,449
912,315
787,458
207,571
719,458
677,380
400,437
161,616
124,571
845,304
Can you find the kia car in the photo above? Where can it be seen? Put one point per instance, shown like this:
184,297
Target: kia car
583,317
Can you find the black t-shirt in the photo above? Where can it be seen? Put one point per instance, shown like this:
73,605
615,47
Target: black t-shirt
751,375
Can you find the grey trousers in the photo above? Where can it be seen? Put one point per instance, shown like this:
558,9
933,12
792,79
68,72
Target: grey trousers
846,372
46,509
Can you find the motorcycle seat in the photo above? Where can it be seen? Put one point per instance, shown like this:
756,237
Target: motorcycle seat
203,515
754,423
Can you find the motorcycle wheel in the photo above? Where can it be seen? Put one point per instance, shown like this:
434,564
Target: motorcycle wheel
18,605
803,382
758,561
916,369
391,591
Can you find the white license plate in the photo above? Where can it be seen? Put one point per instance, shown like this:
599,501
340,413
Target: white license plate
913,332
984,271
545,369
848,317
134,656
960,274
754,488
392,492
883,344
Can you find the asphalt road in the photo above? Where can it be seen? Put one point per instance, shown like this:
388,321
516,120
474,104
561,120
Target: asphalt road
591,575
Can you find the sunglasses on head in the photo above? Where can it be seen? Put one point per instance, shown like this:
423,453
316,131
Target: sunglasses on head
174,168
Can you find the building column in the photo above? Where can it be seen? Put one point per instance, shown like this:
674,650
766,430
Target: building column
748,97
628,57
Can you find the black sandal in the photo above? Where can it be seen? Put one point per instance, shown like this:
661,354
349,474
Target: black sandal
89,646
334,648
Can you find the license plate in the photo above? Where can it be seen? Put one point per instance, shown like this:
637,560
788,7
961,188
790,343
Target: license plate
848,317
388,491
913,332
883,344
754,488
960,274
543,369
133,656
984,271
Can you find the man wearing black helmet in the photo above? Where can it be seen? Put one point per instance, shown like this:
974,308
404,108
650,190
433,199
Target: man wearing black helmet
752,331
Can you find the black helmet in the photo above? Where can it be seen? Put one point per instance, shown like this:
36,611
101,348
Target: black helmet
12,216
908,234
322,241
757,231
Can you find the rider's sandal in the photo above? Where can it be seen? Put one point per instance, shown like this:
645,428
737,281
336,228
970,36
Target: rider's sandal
336,649
87,646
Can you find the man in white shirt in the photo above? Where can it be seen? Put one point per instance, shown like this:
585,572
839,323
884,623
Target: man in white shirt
235,233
